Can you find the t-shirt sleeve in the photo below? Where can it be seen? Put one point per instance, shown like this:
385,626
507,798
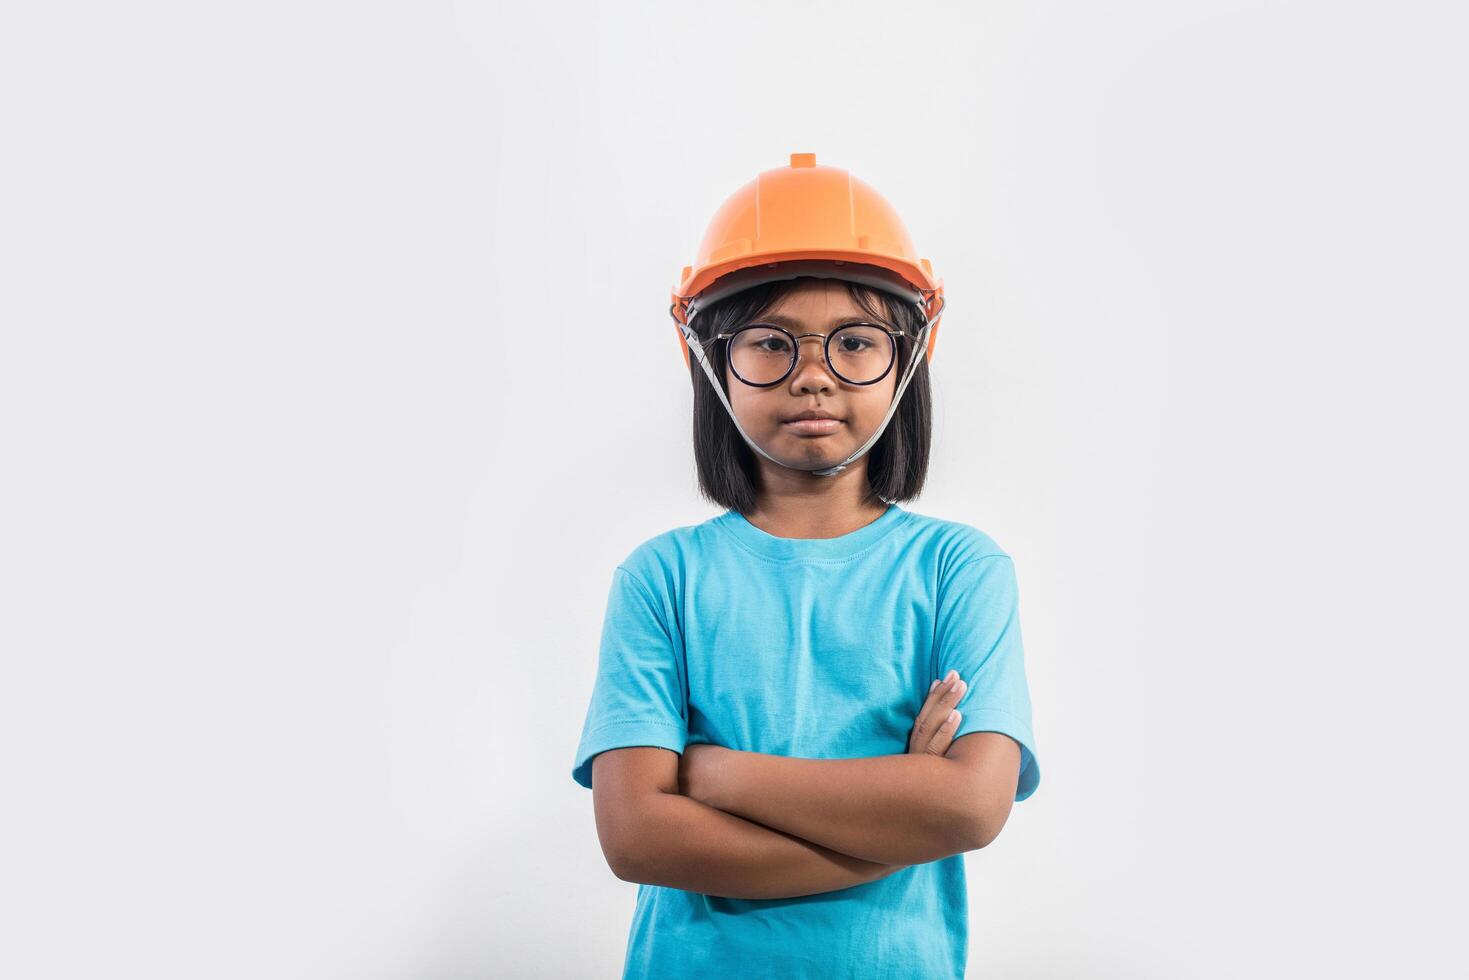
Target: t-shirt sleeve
638,697
978,635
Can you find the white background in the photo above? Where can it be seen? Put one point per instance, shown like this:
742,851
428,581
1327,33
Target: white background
337,375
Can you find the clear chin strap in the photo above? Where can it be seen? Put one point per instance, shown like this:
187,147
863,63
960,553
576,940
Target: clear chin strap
920,352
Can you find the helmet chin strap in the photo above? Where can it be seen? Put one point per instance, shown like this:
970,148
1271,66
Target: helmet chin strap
920,350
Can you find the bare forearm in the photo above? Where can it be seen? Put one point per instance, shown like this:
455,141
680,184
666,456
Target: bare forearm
683,843
891,809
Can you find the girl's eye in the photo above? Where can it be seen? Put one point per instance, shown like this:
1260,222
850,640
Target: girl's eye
772,345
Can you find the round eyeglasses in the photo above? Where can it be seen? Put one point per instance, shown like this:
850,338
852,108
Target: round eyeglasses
763,354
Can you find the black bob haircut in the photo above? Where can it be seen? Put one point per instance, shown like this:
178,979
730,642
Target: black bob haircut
897,464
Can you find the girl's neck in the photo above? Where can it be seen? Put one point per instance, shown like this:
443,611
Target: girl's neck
827,510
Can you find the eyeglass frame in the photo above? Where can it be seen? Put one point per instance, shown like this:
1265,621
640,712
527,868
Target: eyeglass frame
825,351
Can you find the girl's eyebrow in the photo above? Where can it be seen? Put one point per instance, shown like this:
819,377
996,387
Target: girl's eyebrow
790,322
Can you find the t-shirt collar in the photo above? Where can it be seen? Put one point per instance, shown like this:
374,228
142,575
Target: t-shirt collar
842,546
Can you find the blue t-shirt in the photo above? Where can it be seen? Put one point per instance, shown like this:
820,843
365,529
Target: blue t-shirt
812,648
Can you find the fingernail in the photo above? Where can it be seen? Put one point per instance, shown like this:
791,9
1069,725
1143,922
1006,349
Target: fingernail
954,716
951,675
933,685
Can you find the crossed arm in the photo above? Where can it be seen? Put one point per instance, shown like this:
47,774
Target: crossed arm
890,809
751,825
652,834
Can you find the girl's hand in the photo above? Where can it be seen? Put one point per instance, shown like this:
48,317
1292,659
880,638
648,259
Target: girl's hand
938,720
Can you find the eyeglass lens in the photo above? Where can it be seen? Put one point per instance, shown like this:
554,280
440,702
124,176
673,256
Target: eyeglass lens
858,353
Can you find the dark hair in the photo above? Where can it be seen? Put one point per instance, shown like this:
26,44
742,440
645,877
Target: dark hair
897,463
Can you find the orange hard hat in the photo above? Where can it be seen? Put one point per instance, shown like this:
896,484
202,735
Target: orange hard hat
805,219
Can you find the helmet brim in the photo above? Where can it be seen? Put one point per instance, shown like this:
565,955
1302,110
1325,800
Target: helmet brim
866,274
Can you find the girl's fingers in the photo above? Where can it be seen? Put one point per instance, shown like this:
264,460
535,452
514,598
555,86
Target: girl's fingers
944,737
942,696
939,703
926,722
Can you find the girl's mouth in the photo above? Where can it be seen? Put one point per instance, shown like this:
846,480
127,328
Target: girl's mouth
812,427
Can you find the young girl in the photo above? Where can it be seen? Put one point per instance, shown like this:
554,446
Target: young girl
810,706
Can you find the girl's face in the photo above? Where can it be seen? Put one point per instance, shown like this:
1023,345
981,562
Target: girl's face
817,307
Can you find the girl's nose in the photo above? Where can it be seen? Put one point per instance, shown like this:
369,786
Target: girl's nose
808,357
